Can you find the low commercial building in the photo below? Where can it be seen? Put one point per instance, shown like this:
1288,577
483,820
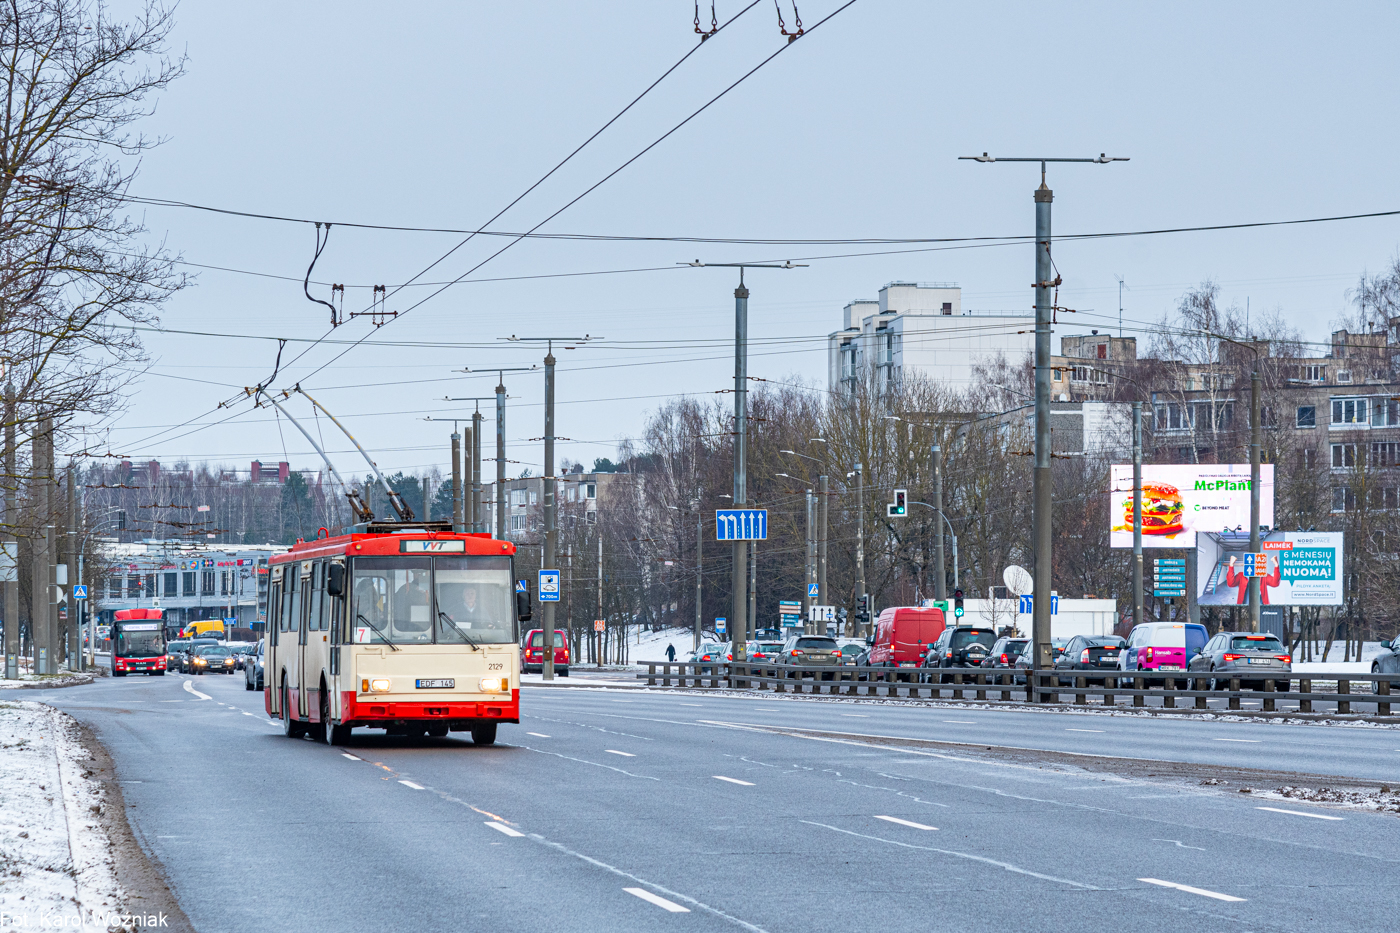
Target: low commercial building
187,581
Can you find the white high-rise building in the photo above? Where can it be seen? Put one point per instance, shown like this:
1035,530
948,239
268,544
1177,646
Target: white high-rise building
922,327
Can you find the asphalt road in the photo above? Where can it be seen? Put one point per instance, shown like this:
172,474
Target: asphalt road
610,810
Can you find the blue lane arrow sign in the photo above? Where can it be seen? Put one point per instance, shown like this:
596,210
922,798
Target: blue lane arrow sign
741,524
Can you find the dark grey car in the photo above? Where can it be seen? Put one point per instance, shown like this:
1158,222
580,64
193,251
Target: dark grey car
1250,656
810,651
1388,661
253,669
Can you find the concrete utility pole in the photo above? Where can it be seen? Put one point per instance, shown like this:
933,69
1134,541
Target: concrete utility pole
501,459
699,572
739,613
811,561
478,520
551,533
860,544
597,635
821,544
1255,444
807,601
41,573
940,584
73,640
1137,513
428,500
456,480
1042,540
10,543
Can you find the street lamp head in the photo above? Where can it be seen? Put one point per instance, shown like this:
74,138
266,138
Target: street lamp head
816,440
793,452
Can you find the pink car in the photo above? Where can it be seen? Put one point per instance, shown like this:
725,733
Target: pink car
1162,646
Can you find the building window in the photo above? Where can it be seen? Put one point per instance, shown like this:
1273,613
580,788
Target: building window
1349,411
1344,375
591,490
517,497
1384,498
1383,412
133,587
947,307
150,584
1384,454
223,583
1343,456
114,587
534,497
1103,351
1312,373
188,583
517,523
1174,417
1307,459
172,585
1307,416
592,517
1343,499
573,493
206,582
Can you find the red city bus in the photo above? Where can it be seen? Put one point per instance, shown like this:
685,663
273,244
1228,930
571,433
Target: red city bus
138,642
402,626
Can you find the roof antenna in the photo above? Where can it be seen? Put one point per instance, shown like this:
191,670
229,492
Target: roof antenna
306,283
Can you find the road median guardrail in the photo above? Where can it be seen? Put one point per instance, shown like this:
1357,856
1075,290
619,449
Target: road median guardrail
1042,687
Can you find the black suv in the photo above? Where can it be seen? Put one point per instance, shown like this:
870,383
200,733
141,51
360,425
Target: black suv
961,646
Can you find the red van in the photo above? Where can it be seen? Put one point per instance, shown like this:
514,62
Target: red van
532,662
903,635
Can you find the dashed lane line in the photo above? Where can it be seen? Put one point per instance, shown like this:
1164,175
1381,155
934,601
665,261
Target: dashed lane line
350,756
1316,816
911,825
613,751
1190,890
1084,730
538,735
412,785
503,828
720,777
658,900
962,722
1244,741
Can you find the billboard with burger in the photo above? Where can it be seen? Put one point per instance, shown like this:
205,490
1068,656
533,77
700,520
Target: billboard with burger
1180,499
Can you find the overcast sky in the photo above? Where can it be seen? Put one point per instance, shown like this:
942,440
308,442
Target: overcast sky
438,114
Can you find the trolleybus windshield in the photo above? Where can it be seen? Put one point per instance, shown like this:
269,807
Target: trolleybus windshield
140,640
442,600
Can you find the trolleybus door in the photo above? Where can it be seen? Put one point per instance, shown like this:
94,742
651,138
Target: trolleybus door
305,585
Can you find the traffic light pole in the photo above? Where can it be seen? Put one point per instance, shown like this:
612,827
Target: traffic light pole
940,583
862,600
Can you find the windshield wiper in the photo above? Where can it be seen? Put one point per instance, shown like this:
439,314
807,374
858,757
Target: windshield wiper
361,617
465,637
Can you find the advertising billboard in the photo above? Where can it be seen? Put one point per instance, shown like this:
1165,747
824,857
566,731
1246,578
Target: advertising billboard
1298,568
1178,500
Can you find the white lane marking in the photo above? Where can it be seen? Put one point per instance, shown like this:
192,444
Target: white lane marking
698,905
350,756
1316,816
585,761
962,722
613,751
1246,741
1190,890
895,819
695,705
1084,730
856,715
967,855
189,687
538,735
658,900
720,777
412,785
1180,844
503,828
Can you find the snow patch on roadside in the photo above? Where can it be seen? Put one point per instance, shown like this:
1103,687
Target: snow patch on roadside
56,862
45,680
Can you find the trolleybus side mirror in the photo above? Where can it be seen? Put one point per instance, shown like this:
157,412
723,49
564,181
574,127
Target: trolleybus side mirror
522,606
335,579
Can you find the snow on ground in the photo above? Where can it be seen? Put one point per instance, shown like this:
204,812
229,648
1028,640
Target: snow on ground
56,862
45,680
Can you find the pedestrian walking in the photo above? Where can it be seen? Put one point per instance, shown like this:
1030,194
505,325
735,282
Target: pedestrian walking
670,652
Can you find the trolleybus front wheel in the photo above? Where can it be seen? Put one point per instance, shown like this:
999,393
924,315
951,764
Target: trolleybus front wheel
484,733
292,728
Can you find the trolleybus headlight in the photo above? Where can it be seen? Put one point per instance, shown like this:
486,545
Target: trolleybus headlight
379,685
493,685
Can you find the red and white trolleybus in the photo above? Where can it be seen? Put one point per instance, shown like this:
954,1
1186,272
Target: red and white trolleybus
402,626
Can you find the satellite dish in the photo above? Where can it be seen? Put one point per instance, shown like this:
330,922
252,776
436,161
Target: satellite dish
1018,581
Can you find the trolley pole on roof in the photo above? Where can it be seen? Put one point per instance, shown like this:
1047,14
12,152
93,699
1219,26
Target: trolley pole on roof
1041,540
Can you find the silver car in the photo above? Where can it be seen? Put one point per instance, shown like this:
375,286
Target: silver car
1250,656
810,651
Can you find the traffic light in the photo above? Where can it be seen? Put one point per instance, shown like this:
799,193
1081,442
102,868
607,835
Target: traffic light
957,603
863,607
900,505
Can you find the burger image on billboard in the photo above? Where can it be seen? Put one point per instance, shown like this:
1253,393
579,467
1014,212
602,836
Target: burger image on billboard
1162,509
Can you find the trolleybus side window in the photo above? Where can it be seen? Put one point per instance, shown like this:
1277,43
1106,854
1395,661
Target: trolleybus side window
317,614
393,601
274,608
475,600
290,602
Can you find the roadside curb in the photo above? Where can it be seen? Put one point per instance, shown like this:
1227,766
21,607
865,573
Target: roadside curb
76,680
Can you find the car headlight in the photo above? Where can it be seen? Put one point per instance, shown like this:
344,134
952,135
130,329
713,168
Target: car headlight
494,684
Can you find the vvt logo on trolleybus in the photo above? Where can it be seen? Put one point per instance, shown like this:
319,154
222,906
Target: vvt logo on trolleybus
433,547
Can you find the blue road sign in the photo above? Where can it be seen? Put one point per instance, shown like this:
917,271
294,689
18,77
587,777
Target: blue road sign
79,592
741,524
520,587
811,590
720,623
1028,605
549,586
